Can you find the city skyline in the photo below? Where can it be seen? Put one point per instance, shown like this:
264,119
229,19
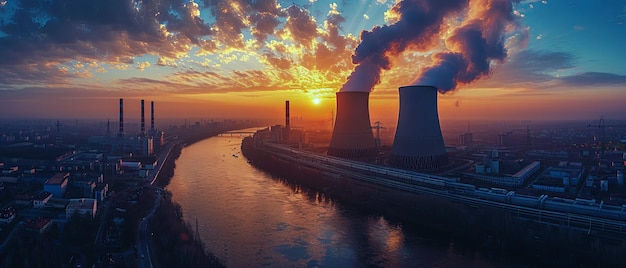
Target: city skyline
238,58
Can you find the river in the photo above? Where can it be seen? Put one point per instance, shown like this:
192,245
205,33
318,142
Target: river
247,218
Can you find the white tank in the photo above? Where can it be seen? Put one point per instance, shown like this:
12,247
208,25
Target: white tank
418,142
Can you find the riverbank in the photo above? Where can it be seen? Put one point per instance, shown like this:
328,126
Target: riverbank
499,234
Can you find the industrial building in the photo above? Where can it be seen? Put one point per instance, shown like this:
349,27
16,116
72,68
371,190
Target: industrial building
39,225
57,185
82,207
506,180
41,199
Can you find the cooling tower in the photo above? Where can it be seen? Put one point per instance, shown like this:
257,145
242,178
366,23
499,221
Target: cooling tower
418,143
352,136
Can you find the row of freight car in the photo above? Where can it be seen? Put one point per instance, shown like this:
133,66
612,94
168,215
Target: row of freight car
453,186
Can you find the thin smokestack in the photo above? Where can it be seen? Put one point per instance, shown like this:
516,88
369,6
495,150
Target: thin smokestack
143,120
287,114
121,130
152,115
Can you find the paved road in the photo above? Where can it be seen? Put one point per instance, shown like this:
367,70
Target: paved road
143,244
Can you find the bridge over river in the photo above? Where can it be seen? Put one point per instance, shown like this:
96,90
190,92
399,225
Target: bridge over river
239,133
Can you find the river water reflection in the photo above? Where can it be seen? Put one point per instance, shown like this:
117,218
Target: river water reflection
250,219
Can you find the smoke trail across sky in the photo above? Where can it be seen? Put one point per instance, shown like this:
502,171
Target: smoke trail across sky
477,35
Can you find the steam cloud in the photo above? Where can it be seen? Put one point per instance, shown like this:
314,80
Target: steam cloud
480,39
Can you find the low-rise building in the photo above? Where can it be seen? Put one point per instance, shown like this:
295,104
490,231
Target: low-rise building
39,226
57,185
24,199
81,206
40,200
559,179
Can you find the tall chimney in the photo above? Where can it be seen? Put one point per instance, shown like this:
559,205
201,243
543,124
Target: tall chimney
287,114
418,143
152,115
287,123
143,120
121,130
352,135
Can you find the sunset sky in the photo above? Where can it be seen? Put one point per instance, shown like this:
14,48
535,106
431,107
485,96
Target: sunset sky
244,58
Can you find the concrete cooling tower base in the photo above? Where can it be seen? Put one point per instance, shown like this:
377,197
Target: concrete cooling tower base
419,163
352,136
352,153
418,143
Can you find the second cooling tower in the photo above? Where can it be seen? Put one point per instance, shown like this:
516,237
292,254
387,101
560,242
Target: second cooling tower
418,143
352,135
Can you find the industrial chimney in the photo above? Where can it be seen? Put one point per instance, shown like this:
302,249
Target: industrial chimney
152,116
352,136
121,130
287,124
287,114
418,143
143,120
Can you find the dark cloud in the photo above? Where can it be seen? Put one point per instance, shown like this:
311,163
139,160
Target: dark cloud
593,79
301,25
54,30
280,62
541,62
333,52
229,22
234,16
143,80
41,35
333,37
530,68
263,25
264,18
33,74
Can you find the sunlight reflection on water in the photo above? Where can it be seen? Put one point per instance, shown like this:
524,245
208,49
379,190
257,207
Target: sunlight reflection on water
249,219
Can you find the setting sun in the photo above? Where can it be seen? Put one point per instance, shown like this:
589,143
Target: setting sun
316,101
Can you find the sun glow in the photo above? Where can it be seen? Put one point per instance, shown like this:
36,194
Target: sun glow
316,101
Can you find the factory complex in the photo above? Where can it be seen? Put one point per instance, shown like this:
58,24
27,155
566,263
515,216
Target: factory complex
578,190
